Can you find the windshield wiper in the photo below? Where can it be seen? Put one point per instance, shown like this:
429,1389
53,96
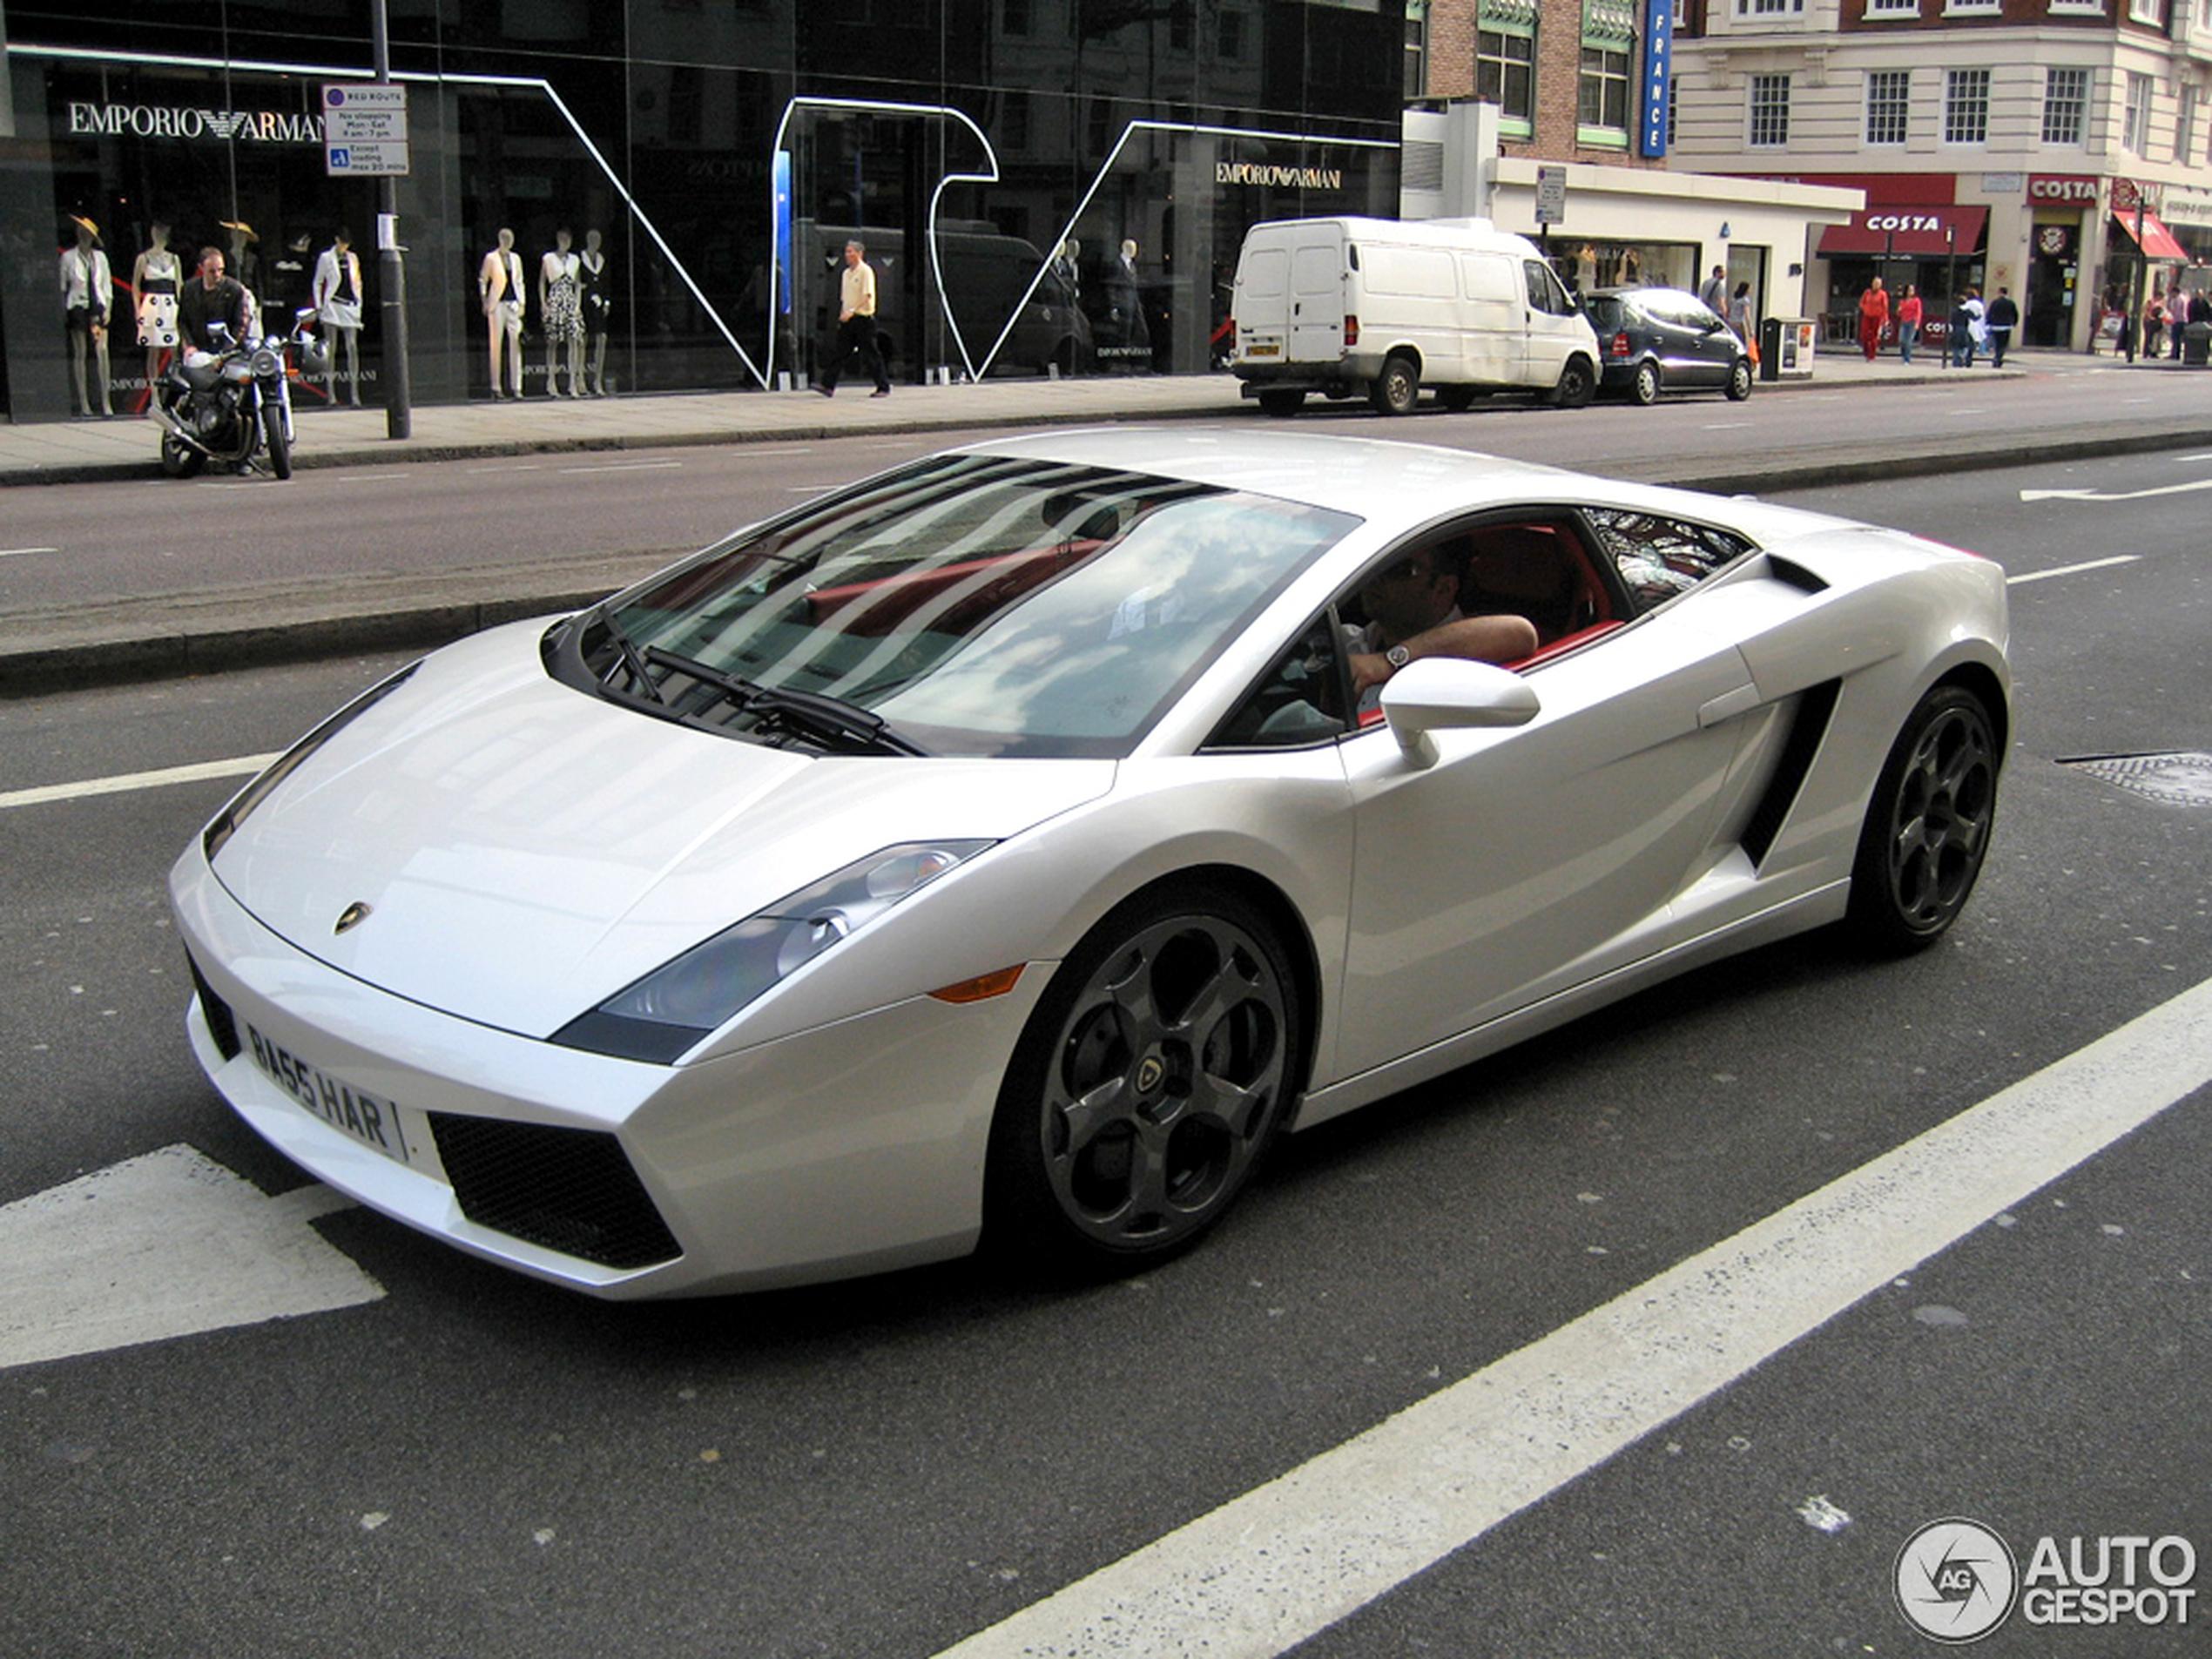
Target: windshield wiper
632,659
828,719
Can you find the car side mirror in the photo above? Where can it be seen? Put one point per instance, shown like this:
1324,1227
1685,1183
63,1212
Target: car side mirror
1449,694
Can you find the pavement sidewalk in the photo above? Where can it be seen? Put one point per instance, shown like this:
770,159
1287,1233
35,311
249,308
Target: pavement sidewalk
43,649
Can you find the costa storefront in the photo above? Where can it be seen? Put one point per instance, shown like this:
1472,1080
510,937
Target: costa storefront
1910,232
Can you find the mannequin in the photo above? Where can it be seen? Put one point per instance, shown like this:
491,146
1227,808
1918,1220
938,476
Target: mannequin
291,289
1126,306
499,286
243,264
559,296
86,284
155,279
338,305
598,309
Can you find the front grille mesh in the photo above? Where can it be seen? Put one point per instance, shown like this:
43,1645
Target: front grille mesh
568,1190
222,1024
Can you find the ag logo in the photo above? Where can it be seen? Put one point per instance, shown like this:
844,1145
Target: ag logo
1956,1581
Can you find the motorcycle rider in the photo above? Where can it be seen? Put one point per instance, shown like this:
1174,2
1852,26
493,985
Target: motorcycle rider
213,298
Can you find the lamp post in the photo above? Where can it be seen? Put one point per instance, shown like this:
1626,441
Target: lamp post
398,418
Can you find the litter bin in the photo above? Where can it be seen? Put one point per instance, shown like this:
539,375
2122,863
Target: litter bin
2196,345
1785,348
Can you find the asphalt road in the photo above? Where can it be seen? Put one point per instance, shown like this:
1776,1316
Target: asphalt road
475,1465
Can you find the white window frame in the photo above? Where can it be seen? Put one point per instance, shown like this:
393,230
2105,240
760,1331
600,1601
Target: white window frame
1966,105
1899,105
2134,120
1972,8
2185,117
2150,11
1767,110
2076,98
1892,9
1770,8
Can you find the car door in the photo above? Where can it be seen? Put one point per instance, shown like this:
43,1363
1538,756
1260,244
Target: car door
1528,860
1552,326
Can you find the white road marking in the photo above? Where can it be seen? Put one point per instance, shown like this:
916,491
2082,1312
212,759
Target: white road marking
2073,569
17,552
165,1245
2125,495
628,466
1262,1573
240,767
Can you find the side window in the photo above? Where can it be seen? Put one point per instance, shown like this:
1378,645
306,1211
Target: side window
1660,557
1544,292
1298,701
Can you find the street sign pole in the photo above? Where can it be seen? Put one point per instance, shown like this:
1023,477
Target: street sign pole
399,415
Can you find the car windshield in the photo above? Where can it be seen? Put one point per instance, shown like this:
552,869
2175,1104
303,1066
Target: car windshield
967,604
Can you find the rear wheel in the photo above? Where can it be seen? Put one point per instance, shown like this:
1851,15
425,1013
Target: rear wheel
1148,1082
1927,829
273,434
1397,387
1577,385
1281,404
180,459
1739,381
1644,389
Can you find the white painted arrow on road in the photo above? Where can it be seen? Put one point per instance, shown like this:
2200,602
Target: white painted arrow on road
2122,495
169,1244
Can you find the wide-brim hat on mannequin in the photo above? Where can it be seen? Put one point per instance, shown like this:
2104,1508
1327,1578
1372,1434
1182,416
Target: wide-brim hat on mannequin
241,226
82,222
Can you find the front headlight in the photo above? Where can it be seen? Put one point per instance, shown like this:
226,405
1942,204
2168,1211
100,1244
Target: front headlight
669,1010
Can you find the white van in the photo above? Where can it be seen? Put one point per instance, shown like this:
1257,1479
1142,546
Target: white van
1376,306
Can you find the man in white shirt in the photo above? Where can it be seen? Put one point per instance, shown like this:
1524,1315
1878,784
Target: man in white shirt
1413,612
855,324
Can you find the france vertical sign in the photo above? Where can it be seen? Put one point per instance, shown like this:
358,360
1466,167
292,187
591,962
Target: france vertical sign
1658,67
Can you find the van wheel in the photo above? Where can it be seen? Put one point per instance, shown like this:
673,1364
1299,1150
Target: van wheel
1644,389
1457,399
1397,388
1577,385
1739,381
1281,404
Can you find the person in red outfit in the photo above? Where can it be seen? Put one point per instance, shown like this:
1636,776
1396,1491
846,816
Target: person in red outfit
1873,318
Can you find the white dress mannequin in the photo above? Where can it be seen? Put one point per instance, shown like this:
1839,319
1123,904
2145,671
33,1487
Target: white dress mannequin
338,307
560,300
156,279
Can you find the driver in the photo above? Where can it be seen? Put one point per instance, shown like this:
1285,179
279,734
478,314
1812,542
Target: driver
1413,612
213,298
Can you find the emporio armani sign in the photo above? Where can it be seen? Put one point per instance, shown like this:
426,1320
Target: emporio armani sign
221,127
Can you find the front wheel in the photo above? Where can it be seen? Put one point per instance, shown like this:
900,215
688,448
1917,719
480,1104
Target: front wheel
1577,385
1927,829
1397,388
1148,1082
1739,381
272,434
180,459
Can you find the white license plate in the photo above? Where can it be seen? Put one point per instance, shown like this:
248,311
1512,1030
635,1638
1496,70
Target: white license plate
370,1119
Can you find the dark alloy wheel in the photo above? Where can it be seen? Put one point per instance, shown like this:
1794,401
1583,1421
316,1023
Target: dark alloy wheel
1148,1082
1644,389
1927,830
1397,387
1577,385
180,459
1739,381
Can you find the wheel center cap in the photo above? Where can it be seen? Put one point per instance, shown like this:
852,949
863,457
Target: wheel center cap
1151,1072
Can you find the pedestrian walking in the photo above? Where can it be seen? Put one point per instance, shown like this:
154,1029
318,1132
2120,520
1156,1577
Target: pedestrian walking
1873,318
1966,328
2004,317
1715,291
855,324
1908,321
2154,335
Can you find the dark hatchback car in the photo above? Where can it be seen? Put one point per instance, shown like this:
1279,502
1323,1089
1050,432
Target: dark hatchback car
1654,339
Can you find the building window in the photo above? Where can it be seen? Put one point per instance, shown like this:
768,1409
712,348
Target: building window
1505,65
2134,130
2150,11
1416,49
1603,97
1769,109
1673,85
2185,125
1888,100
1965,107
1893,8
2066,104
1769,8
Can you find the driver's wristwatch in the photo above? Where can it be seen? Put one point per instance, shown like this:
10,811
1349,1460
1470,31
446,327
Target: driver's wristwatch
1398,657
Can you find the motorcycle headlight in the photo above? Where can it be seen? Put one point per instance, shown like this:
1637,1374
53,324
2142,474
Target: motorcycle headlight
266,362
669,1009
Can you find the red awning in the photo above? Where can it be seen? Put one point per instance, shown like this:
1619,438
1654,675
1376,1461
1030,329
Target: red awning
2156,240
1915,231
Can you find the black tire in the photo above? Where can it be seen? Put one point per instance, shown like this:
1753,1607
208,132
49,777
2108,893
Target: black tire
1146,1087
280,447
1927,828
1739,381
1281,405
1577,385
1644,389
180,459
1457,399
1397,387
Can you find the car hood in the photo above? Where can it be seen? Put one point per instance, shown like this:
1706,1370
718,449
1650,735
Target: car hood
525,850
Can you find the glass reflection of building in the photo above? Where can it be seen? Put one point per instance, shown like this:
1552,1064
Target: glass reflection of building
1043,185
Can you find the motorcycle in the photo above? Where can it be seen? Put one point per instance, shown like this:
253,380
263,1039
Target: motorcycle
231,405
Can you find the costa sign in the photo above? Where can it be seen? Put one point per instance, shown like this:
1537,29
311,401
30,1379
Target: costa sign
2062,187
1905,222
